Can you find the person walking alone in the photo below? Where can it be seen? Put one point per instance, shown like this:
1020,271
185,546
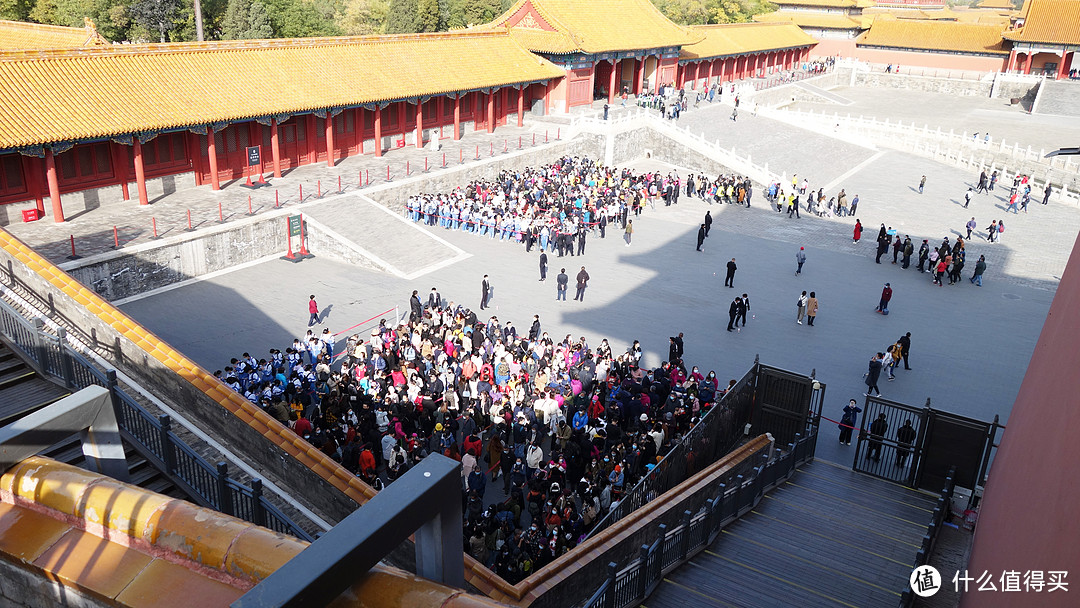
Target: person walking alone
971,225
873,374
313,311
729,279
980,267
486,286
560,285
708,223
701,237
628,233
800,258
922,184
582,283
801,308
905,347
811,309
883,304
543,265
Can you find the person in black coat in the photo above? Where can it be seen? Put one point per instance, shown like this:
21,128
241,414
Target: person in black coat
905,437
905,346
417,307
873,374
733,311
878,428
486,286
543,265
708,222
602,223
534,331
560,284
729,280
701,237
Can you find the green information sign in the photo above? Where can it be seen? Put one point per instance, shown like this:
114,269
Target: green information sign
294,225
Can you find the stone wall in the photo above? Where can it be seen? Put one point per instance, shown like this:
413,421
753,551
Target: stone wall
929,84
141,268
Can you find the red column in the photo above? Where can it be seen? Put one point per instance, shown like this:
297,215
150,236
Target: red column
1012,61
359,122
491,112
211,151
639,75
521,106
119,160
1062,70
419,124
378,131
1027,63
275,147
54,186
611,83
35,179
329,139
140,173
457,117
312,152
712,64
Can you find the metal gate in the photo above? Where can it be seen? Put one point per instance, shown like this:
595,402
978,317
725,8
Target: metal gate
784,403
955,441
890,443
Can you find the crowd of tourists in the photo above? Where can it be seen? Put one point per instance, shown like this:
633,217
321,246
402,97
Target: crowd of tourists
562,427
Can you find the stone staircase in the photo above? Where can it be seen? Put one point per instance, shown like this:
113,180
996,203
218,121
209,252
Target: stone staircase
1059,97
826,537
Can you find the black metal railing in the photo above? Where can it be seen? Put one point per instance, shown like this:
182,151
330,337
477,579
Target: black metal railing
207,484
672,548
714,436
941,509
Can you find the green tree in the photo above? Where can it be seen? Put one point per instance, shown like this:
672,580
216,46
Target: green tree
684,12
427,16
478,12
160,16
402,17
15,10
362,17
246,20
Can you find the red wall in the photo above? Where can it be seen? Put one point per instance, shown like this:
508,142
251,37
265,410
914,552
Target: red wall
1028,518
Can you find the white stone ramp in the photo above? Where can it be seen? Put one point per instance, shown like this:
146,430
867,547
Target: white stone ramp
389,241
820,92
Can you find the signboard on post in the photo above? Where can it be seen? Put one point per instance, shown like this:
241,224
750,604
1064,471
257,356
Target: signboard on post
294,225
254,159
254,155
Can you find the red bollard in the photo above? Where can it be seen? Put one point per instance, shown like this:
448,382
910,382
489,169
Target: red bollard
406,167
492,149
387,172
506,145
519,142
277,200
115,238
557,133
319,186
250,212
425,164
288,233
153,220
189,220
339,184
303,238
477,151
301,193
545,136
367,173
220,214
444,159
360,174
73,256
461,155
534,139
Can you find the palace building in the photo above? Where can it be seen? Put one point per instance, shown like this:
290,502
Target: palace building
1045,37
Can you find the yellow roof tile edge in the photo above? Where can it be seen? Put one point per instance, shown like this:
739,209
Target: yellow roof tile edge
218,391
46,469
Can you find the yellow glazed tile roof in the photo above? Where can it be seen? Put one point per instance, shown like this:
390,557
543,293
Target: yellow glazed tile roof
18,35
592,26
739,38
935,36
1049,21
815,20
826,3
997,4
52,96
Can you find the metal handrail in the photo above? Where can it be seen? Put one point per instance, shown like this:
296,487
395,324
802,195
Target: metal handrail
208,484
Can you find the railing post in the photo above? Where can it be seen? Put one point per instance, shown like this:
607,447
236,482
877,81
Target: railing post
644,578
112,384
168,450
39,344
721,516
738,494
685,548
258,510
224,492
66,364
609,597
